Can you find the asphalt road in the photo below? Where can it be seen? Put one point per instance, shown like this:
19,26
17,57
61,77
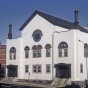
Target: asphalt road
2,85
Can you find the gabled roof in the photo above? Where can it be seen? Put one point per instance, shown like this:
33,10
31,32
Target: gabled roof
53,20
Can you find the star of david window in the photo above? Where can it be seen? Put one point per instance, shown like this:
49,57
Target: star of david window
37,34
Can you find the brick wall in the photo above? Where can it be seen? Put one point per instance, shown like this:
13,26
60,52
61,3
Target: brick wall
3,57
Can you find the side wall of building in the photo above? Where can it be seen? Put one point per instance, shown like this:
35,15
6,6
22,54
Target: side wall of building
17,43
83,37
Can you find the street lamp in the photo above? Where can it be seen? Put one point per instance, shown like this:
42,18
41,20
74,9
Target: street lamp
86,60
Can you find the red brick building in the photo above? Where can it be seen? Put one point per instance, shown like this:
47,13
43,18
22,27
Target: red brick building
3,58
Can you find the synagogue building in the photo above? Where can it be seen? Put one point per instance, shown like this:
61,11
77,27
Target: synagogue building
49,48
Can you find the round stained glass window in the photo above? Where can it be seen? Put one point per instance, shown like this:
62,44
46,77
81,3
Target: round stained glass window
37,35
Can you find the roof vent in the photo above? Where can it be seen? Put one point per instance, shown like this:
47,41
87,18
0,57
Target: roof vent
76,23
10,32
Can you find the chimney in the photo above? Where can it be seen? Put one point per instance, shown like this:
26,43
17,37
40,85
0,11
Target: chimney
10,32
76,23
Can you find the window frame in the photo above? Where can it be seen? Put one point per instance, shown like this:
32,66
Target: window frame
26,54
37,34
60,51
27,69
12,53
63,49
85,53
81,68
48,69
48,50
37,50
37,68
26,49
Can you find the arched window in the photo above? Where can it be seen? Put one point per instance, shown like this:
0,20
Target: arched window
27,51
36,51
48,50
63,49
12,53
85,50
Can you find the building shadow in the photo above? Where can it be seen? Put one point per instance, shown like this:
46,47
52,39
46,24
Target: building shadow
73,85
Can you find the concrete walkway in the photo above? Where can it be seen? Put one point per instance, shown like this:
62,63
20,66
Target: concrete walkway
30,84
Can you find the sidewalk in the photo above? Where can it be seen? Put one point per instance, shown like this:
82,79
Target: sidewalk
30,84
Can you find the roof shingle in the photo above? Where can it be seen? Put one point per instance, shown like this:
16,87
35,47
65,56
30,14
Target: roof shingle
53,20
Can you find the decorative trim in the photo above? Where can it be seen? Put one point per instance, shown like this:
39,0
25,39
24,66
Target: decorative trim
63,45
47,46
26,48
12,50
38,47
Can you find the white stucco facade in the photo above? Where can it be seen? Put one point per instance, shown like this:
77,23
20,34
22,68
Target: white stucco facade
53,35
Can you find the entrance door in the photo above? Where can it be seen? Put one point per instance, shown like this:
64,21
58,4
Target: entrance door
63,70
12,71
64,73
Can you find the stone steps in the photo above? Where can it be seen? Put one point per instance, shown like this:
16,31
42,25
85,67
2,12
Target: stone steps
59,82
63,82
9,79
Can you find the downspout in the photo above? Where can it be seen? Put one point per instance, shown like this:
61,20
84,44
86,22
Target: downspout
76,27
52,56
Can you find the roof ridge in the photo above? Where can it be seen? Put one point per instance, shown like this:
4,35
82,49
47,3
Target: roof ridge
53,16
53,20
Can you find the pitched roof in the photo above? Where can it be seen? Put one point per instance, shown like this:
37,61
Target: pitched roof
53,20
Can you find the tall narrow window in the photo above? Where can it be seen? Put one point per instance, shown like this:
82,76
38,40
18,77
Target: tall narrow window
48,50
34,69
37,51
26,68
10,56
14,57
65,52
39,68
86,50
34,53
47,68
81,68
63,49
12,53
27,51
60,52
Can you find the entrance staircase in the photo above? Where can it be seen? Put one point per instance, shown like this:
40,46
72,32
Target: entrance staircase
60,82
9,79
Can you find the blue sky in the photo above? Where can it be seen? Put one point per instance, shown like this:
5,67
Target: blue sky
17,12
